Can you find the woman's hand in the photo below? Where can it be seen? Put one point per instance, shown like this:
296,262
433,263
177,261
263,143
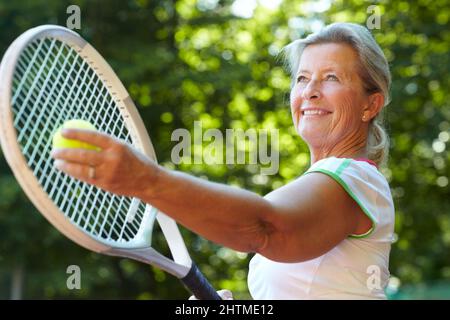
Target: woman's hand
224,295
117,168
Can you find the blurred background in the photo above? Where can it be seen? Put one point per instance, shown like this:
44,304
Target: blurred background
217,61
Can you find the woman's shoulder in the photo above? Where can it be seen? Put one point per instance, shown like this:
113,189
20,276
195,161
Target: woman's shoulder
366,185
340,166
356,176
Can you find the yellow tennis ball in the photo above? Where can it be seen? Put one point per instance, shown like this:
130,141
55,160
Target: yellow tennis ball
60,142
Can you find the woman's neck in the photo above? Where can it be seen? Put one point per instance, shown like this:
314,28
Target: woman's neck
317,155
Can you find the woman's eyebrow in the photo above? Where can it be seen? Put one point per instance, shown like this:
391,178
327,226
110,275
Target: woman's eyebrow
303,71
334,69
325,69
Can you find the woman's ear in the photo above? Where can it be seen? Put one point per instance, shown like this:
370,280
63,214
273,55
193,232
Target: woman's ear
374,106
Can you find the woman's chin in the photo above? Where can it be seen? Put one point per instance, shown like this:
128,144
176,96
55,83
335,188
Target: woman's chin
312,138
308,129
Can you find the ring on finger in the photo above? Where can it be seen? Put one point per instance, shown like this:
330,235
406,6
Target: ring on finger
91,172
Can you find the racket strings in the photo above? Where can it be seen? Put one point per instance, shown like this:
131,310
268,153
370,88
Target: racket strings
53,83
82,210
45,111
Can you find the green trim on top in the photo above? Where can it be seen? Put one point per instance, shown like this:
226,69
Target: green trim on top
338,179
343,165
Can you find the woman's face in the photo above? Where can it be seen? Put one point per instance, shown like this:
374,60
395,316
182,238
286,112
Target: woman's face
328,84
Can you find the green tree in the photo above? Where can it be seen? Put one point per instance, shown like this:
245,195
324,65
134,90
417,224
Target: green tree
185,61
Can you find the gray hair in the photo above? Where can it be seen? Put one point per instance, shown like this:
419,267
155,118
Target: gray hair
374,73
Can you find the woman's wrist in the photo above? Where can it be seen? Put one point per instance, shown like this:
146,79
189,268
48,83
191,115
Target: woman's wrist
151,183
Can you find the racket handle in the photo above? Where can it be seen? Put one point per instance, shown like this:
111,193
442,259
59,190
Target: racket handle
196,282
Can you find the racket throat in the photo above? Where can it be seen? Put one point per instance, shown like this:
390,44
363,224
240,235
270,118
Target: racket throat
153,257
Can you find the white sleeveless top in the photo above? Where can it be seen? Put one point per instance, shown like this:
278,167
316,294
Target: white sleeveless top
358,267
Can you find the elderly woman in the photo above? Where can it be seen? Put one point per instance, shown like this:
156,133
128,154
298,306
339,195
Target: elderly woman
325,235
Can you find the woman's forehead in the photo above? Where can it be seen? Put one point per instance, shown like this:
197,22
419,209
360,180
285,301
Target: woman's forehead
328,56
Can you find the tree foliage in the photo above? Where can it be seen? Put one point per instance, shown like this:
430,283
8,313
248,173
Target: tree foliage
187,60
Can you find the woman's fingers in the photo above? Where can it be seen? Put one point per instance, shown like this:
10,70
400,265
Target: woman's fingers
78,171
79,156
95,138
224,295
118,168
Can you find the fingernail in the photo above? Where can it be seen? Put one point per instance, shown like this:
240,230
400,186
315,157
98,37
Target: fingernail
58,164
65,131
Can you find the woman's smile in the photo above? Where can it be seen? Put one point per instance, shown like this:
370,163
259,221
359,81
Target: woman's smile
314,113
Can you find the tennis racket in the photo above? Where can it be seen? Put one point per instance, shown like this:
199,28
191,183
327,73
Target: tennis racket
49,75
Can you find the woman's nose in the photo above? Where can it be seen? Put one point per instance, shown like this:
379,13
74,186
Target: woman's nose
311,92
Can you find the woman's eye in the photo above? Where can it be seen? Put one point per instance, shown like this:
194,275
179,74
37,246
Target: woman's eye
301,79
332,77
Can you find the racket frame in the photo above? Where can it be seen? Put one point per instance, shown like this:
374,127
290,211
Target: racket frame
182,265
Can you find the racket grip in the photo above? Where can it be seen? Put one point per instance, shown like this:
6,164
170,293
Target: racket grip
196,282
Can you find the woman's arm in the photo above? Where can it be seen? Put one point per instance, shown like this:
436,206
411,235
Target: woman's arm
227,215
297,222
